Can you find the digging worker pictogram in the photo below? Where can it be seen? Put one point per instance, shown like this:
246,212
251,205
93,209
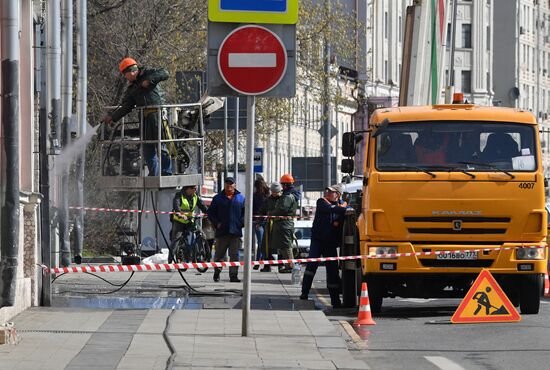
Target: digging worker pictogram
483,301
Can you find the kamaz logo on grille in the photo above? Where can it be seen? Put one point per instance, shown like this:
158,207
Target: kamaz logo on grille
457,225
456,213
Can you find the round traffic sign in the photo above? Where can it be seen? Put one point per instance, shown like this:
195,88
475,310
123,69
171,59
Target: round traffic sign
252,60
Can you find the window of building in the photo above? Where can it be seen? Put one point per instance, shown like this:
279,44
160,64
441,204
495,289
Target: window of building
467,35
467,82
386,76
386,25
400,29
449,34
488,38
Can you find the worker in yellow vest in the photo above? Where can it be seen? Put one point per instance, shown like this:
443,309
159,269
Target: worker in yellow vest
185,203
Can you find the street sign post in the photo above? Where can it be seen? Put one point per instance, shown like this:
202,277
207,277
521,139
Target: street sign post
253,11
252,60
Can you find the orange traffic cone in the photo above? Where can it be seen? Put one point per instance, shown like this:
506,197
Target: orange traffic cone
364,316
546,285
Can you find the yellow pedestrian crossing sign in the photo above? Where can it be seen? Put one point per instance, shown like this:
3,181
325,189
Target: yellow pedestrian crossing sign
485,302
253,11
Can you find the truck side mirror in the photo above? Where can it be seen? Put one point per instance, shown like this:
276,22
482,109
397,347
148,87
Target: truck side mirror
348,144
348,166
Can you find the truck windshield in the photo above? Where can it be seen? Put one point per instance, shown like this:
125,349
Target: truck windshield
456,146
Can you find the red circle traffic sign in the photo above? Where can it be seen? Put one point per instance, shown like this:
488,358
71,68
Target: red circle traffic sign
252,60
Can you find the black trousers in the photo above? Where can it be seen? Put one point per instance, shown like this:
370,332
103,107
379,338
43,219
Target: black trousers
322,249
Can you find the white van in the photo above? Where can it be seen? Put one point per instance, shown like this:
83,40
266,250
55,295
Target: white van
302,237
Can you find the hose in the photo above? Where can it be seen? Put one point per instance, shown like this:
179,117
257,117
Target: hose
102,293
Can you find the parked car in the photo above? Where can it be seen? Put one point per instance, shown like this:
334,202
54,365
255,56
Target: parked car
302,235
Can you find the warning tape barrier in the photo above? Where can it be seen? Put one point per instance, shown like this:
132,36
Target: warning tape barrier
192,265
199,215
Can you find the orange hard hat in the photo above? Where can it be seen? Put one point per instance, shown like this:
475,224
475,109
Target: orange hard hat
287,179
125,63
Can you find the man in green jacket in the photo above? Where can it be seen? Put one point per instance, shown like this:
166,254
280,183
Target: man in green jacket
143,90
279,234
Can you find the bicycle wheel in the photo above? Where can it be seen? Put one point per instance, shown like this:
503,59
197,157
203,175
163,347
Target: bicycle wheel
180,251
200,252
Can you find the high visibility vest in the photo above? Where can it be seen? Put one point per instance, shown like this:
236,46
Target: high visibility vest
187,209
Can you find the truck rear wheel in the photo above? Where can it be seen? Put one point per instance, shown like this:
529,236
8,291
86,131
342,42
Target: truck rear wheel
529,294
376,292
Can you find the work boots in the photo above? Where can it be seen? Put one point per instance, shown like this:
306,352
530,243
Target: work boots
335,298
234,279
217,272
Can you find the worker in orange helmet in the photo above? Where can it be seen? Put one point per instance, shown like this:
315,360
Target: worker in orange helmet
144,90
287,181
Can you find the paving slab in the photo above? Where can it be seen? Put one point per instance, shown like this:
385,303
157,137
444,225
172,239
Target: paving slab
285,332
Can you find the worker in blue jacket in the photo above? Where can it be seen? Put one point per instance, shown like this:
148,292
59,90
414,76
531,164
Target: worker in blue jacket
226,213
326,237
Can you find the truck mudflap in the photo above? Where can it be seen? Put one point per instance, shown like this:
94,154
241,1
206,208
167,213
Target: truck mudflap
351,270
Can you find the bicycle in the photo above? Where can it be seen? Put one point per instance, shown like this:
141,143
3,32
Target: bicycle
192,246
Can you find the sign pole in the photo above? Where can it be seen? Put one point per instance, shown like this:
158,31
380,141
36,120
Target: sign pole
248,226
236,141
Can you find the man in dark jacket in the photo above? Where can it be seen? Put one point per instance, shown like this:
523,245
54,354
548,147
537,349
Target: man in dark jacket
326,237
227,215
184,204
143,90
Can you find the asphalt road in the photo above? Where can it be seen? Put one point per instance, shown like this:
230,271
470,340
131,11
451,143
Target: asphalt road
410,333
417,334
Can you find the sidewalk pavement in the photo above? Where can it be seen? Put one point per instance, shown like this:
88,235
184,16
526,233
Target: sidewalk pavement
206,334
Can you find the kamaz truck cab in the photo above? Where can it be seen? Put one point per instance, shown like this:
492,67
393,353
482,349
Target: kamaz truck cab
450,190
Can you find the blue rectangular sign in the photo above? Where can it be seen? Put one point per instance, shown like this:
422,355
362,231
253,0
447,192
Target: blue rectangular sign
253,11
254,5
258,160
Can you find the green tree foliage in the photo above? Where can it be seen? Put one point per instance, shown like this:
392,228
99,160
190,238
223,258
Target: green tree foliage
172,34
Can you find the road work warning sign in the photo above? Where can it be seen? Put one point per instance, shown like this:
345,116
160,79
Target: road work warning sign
485,302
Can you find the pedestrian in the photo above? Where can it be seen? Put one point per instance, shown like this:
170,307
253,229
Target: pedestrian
227,215
279,235
144,90
184,204
287,182
261,193
326,237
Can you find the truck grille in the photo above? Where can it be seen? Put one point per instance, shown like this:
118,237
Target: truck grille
456,263
457,232
458,225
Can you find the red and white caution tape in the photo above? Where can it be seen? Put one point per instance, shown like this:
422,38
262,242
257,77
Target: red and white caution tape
187,265
122,210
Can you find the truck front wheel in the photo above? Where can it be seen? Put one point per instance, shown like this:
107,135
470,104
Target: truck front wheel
529,293
376,290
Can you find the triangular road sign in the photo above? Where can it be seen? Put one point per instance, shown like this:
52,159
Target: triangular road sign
485,302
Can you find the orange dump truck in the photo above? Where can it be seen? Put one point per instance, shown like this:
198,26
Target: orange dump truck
459,187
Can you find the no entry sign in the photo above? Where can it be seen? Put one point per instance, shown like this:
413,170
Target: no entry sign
252,60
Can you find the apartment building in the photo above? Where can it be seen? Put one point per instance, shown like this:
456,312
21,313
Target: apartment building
522,60
27,280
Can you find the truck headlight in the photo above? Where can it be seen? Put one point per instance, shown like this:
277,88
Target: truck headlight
373,251
530,253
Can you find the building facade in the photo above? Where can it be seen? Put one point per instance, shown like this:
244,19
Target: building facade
522,49
27,285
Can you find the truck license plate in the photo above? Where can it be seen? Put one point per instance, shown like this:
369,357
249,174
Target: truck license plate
464,255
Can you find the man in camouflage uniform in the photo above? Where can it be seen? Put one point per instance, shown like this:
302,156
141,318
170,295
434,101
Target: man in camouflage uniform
143,90
279,233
